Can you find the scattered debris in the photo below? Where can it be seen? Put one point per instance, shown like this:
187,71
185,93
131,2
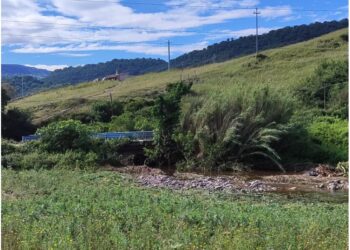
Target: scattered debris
207,183
324,170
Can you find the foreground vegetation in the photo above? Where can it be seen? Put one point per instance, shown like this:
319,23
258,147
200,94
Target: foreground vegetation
103,210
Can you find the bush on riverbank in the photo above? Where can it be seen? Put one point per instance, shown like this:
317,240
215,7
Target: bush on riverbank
239,126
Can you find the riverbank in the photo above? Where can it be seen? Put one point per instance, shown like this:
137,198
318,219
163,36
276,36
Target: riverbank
313,180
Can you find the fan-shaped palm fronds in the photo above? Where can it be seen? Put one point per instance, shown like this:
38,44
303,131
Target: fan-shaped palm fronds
238,128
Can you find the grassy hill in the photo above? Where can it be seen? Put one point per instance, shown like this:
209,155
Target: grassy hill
284,68
232,48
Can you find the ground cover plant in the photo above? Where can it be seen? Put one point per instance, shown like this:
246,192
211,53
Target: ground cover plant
105,211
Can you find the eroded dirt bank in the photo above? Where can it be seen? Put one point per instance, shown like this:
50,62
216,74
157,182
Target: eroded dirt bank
314,180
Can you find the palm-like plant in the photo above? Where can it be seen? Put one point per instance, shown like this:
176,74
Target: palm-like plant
234,131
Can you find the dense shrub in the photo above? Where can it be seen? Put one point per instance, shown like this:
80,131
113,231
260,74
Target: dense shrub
239,127
77,160
103,111
187,146
33,160
107,151
65,135
44,160
7,147
327,87
123,122
5,98
332,134
297,146
12,160
137,116
15,124
134,105
167,116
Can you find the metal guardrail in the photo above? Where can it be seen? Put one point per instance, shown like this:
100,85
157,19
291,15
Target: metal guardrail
133,135
30,138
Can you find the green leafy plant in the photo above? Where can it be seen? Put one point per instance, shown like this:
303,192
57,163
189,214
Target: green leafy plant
332,134
103,111
320,89
167,115
65,135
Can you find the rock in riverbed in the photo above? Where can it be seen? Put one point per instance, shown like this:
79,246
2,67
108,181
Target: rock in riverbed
334,185
258,186
206,183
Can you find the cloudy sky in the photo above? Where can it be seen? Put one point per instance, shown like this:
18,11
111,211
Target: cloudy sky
56,33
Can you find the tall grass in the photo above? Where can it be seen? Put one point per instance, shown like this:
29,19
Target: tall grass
241,123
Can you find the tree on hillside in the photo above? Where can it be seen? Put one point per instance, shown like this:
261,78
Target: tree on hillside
4,100
15,123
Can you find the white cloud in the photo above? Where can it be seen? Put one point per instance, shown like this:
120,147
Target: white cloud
223,34
136,48
92,25
47,67
75,54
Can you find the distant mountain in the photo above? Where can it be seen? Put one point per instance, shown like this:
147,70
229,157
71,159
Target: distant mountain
73,75
231,48
10,70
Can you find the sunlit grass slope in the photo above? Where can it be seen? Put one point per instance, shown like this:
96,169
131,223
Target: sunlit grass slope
283,68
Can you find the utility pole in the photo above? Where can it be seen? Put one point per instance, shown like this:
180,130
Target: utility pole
22,87
168,55
324,96
111,101
256,12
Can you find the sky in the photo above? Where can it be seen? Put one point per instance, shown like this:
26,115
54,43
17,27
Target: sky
53,34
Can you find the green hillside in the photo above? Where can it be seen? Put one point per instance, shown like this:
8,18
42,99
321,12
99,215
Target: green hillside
283,68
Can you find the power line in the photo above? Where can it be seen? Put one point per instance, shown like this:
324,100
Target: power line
168,55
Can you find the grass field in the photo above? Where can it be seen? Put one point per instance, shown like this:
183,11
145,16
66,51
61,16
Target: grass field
104,210
284,68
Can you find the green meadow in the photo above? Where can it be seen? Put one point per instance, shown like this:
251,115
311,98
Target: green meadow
62,209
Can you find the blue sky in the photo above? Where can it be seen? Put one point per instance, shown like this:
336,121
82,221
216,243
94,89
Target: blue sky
58,33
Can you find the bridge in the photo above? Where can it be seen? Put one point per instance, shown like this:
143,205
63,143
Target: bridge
132,135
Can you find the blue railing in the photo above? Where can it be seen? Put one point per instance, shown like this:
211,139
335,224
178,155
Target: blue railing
30,138
133,135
